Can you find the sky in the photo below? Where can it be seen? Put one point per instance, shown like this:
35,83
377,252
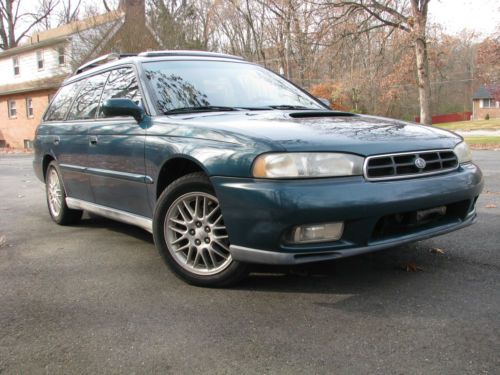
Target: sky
482,16
476,15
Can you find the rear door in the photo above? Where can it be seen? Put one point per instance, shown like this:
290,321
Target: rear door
116,152
67,141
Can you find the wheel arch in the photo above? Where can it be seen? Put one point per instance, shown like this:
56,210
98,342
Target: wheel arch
47,159
174,168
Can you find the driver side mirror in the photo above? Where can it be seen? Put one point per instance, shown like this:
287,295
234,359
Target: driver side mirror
122,107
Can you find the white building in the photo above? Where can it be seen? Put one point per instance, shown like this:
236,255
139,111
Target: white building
32,72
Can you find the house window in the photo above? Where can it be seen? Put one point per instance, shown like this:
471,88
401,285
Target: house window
29,107
488,103
28,143
61,55
39,59
3,143
11,106
15,62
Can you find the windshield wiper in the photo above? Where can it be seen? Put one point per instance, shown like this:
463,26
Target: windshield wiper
279,106
288,106
206,108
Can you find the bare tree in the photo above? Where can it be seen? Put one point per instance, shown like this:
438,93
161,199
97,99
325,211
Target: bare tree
16,23
70,11
406,15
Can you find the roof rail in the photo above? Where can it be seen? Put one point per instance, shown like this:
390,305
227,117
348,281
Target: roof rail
103,60
188,53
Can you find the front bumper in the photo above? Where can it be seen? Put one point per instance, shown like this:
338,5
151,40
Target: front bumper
258,213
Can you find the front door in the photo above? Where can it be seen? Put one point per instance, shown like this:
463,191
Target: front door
116,151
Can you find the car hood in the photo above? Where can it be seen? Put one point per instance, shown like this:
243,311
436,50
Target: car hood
318,131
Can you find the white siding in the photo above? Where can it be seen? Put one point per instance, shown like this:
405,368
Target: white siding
79,47
29,68
85,43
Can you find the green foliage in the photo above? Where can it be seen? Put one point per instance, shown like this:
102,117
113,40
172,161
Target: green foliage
407,117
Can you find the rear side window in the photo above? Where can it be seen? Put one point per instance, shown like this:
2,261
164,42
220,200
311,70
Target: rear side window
122,84
61,102
87,101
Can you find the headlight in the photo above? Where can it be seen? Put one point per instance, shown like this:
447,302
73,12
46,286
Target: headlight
306,165
463,153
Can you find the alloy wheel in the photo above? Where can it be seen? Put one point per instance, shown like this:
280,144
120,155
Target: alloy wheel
196,235
54,192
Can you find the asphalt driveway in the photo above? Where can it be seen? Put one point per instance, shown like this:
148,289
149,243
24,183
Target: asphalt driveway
97,298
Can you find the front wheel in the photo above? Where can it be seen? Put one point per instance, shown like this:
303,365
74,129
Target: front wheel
190,233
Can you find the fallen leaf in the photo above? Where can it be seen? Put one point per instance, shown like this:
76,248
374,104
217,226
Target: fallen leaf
437,250
489,192
3,241
491,206
411,267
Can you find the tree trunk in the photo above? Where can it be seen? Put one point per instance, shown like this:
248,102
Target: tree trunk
424,84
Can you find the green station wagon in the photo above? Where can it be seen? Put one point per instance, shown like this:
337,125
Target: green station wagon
227,163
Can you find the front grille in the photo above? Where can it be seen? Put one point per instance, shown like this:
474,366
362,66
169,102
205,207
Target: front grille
404,165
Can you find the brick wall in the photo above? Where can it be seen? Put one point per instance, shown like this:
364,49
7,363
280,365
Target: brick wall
480,113
15,130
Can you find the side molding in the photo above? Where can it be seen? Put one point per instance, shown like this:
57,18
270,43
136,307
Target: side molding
111,213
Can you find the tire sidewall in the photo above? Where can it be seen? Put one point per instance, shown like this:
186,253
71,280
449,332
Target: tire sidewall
66,215
195,182
56,218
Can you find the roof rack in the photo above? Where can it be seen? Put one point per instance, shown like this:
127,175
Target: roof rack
103,60
188,53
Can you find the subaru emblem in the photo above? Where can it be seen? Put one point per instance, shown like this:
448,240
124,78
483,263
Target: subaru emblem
420,163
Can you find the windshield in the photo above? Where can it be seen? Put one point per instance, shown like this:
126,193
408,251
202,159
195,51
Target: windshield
183,86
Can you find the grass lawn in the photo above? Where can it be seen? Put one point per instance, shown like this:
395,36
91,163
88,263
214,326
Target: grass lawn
486,140
492,124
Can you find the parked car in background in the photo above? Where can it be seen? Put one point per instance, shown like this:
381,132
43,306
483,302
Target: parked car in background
227,164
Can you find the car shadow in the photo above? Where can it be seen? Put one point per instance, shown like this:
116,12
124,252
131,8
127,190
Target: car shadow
95,221
348,275
353,275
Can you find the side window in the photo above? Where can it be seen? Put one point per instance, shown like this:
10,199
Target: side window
61,102
122,83
87,101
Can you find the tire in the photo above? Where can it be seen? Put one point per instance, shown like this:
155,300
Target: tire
190,234
56,198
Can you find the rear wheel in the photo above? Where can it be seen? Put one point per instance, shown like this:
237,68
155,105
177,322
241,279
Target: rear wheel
190,233
56,198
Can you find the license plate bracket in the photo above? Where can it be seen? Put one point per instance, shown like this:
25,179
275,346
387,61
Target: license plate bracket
430,214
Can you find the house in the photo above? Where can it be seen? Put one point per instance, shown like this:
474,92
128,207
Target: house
33,71
486,102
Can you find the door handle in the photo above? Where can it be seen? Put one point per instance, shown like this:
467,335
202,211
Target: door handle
56,140
93,140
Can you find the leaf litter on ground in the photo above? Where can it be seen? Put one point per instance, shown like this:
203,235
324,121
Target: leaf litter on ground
437,250
410,267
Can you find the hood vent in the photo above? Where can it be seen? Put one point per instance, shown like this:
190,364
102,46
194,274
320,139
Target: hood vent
310,114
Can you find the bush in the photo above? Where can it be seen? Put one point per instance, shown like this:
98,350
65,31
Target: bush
487,117
333,92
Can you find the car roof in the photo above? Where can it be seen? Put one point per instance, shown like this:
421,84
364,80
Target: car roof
112,60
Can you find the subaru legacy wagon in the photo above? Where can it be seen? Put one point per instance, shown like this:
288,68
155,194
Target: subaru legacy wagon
227,163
